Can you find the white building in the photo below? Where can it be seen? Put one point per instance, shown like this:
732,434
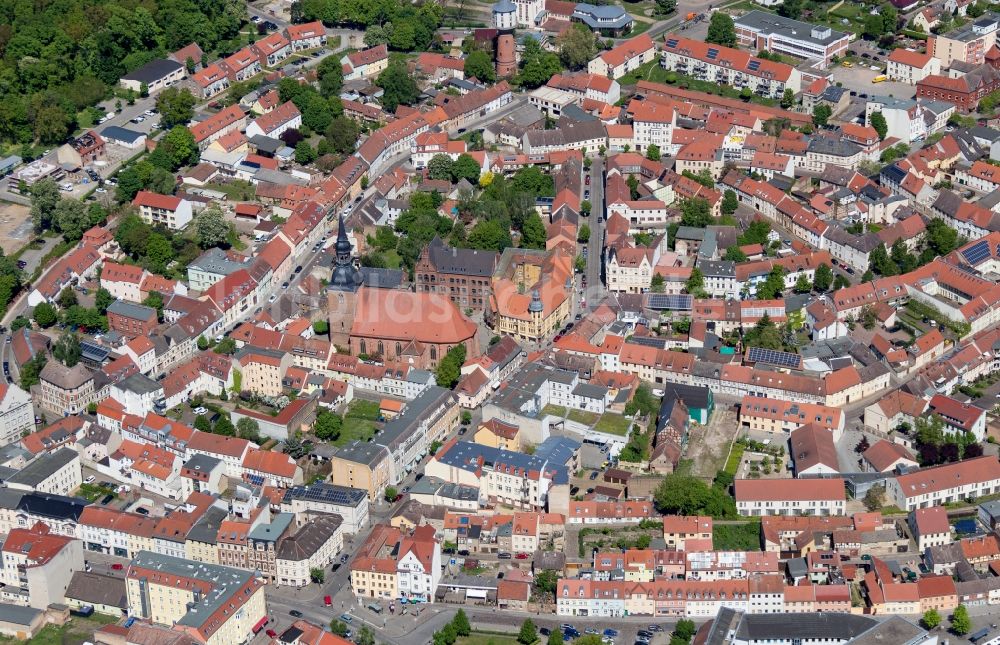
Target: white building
757,497
16,413
945,484
173,212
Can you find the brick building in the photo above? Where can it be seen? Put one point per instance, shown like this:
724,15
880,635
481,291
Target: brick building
461,274
131,320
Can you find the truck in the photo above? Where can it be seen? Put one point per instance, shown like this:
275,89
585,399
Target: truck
691,16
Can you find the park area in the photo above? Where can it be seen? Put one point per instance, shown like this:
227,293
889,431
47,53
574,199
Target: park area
360,422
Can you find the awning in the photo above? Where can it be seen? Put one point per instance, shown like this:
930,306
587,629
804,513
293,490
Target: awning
476,593
259,625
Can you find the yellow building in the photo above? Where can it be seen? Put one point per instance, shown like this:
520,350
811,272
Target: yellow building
374,571
498,434
362,465
263,369
215,605
532,293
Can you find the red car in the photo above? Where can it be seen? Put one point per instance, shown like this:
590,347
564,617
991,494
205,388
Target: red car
271,633
521,556
327,601
117,567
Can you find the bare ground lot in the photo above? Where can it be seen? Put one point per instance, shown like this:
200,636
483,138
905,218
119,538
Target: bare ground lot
708,445
15,226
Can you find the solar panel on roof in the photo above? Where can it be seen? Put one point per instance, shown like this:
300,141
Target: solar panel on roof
977,252
668,301
773,357
712,53
753,65
672,42
649,341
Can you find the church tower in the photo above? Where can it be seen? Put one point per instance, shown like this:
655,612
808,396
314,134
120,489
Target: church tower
343,289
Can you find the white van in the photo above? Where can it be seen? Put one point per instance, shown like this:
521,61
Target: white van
66,186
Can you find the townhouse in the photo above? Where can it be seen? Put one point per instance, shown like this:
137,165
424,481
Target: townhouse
393,564
947,483
756,497
307,35
728,66
623,58
38,566
911,67
365,63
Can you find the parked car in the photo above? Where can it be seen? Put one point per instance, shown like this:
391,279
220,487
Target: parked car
271,633
296,613
327,601
503,555
117,566
346,618
90,480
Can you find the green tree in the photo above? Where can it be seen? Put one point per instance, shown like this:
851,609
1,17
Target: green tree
537,65
304,153
533,234
70,218
226,346
327,425
664,7
489,234
366,636
653,152
176,107
681,494
586,206
67,349
584,234
249,429
103,300
398,87
729,202
338,627
478,64
155,300
773,286
877,120
44,314
576,46
890,18
735,254
960,623
721,30
31,370
931,619
439,167
555,638
390,493
802,284
787,99
875,498
466,167
180,147
546,581
342,134
528,633
211,228
821,115
66,298
685,629
873,26
695,284
224,426
331,76
823,278
696,212
764,334
202,423
461,623
317,575
44,199
450,367
790,9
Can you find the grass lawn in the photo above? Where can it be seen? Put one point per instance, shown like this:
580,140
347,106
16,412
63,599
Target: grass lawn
554,410
652,72
359,422
92,492
639,26
74,632
735,457
392,259
237,190
736,537
580,416
480,638
613,424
